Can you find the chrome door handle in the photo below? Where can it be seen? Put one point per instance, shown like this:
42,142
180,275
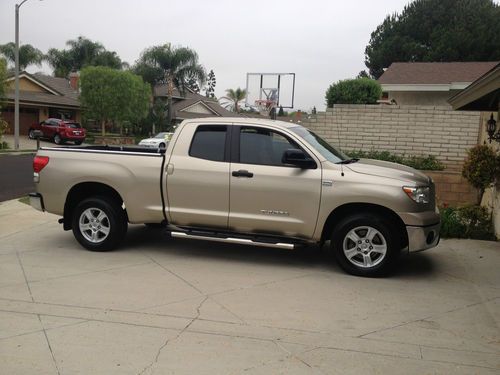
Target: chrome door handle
242,173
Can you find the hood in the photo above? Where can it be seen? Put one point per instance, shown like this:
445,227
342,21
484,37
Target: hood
389,170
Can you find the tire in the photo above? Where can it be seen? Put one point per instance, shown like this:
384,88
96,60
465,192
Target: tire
31,134
365,246
57,139
78,143
162,145
99,224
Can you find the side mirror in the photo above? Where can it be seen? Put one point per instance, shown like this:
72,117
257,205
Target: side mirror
298,158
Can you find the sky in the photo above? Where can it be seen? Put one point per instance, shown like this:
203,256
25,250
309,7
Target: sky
320,41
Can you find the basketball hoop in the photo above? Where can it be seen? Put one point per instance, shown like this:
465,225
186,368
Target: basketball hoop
265,106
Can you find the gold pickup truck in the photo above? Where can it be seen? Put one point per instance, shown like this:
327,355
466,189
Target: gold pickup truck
246,181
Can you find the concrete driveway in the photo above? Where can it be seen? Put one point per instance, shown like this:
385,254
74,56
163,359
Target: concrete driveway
167,306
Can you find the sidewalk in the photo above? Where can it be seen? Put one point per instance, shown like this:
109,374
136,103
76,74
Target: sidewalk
24,142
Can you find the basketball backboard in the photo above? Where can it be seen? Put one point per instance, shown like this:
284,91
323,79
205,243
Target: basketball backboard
277,89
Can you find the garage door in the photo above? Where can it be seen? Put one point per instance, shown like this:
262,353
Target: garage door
27,117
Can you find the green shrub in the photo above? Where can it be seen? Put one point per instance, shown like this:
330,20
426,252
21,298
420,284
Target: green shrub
481,168
429,162
353,91
467,222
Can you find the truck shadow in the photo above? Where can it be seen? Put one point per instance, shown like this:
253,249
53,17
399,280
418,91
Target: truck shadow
157,242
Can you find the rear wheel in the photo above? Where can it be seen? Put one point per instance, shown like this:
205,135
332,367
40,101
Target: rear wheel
364,245
57,139
31,134
99,224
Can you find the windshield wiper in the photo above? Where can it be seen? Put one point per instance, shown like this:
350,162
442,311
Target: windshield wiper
348,161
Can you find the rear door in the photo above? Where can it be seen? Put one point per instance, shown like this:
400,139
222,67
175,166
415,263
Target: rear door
198,177
267,196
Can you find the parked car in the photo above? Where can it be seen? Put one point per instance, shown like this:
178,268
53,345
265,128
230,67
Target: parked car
60,131
160,140
243,181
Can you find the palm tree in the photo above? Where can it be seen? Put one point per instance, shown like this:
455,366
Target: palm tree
174,66
81,52
233,99
28,55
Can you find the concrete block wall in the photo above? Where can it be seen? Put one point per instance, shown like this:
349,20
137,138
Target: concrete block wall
452,189
408,130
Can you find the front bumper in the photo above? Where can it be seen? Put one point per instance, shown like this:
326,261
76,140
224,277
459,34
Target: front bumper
36,201
422,238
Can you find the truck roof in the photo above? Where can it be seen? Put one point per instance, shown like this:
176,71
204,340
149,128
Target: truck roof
242,120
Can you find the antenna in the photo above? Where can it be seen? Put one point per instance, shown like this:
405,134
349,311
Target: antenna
340,148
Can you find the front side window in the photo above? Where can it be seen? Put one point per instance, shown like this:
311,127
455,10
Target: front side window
263,146
209,142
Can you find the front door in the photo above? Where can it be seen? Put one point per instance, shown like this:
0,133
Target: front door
198,178
267,196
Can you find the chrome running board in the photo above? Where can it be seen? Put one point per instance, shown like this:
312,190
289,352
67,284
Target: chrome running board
241,241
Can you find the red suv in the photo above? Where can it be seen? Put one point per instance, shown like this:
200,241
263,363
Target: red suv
59,130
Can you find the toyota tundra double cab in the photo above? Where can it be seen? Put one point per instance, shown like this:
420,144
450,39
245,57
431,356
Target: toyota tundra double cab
242,181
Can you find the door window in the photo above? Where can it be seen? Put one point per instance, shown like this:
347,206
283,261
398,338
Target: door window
209,142
263,146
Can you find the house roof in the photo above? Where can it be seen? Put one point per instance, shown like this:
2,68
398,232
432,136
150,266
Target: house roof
181,105
481,95
57,91
435,73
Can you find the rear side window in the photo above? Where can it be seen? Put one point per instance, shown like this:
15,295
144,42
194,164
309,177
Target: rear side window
209,142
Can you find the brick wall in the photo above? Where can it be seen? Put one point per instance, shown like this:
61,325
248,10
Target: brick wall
410,130
452,189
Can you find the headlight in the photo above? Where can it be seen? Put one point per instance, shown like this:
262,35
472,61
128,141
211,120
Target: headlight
419,194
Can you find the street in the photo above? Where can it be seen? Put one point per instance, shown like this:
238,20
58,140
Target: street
16,176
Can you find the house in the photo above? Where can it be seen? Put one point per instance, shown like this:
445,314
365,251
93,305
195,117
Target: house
40,97
484,95
192,105
429,83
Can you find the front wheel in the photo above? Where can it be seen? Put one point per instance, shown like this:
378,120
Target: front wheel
99,224
364,245
31,134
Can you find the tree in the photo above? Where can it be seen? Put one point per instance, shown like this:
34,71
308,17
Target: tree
82,52
172,66
481,168
353,91
28,55
3,77
111,95
436,30
3,123
192,84
210,89
233,99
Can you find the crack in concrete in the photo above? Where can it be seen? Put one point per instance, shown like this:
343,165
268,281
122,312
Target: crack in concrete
158,353
48,344
426,318
25,278
75,274
41,330
397,356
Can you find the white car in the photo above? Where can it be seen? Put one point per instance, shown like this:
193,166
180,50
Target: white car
160,140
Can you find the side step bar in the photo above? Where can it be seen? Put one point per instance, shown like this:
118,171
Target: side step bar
242,241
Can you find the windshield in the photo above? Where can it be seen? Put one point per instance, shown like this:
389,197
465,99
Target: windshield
73,125
323,147
161,135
